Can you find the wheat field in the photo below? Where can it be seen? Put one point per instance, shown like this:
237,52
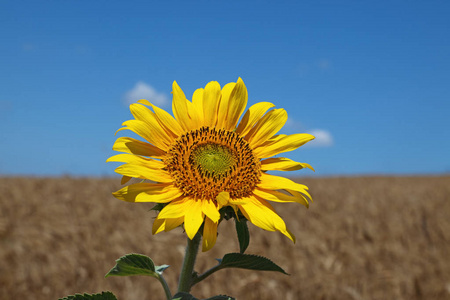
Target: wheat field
362,238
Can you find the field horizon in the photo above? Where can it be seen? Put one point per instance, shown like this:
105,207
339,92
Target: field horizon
363,237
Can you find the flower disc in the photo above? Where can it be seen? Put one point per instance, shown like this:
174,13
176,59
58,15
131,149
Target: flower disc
208,161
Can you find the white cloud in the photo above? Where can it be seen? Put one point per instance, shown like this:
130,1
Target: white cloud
323,138
145,91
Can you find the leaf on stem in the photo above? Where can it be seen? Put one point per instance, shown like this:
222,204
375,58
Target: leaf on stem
187,296
102,296
248,261
183,296
221,297
242,261
136,264
242,233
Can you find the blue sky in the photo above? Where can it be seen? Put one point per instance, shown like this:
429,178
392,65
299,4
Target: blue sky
371,79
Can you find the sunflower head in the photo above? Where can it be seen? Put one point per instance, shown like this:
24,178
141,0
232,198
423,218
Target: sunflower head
201,160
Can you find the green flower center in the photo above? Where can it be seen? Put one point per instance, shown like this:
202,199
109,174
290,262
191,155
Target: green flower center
214,159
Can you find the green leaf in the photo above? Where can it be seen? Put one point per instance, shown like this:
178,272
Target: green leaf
242,261
183,296
187,296
250,262
242,233
158,206
102,296
136,264
221,297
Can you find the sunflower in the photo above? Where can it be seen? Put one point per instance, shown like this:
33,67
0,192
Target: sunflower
203,159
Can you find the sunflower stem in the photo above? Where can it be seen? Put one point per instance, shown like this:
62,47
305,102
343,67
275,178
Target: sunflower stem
187,270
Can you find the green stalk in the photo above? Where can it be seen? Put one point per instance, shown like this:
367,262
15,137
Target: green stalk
165,286
206,274
187,270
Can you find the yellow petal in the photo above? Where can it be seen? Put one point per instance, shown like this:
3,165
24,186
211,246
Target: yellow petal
175,209
290,235
272,140
173,223
144,130
170,193
277,196
283,144
238,201
211,101
304,192
136,159
253,114
266,127
210,210
197,102
261,214
125,179
209,234
158,225
166,224
165,119
282,164
195,115
222,114
271,182
237,102
143,172
133,146
129,193
142,113
223,198
193,218
179,107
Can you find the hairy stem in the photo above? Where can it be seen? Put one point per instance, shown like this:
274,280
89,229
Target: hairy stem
185,282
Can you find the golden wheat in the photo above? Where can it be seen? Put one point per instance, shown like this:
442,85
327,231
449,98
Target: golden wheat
362,238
